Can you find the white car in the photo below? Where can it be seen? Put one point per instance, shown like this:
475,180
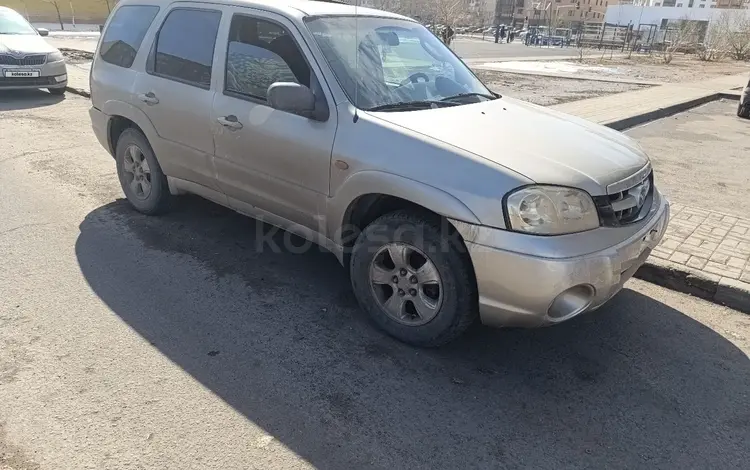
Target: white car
26,59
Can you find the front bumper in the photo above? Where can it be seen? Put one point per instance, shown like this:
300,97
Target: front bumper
531,281
51,75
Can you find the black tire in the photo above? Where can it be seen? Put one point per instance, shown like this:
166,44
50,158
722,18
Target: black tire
459,305
56,91
743,110
159,199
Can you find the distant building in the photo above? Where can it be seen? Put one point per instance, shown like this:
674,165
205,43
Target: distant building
699,4
661,17
562,13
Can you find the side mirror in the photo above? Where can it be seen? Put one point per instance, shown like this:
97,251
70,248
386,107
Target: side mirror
43,31
292,98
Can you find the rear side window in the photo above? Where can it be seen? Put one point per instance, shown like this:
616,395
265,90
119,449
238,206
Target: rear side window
185,46
125,33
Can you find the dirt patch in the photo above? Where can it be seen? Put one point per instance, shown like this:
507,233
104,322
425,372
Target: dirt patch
548,91
74,56
651,68
700,156
11,457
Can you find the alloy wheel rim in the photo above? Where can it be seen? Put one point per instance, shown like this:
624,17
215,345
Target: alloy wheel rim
137,172
406,284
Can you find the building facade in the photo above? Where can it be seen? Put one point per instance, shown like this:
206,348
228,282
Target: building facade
557,13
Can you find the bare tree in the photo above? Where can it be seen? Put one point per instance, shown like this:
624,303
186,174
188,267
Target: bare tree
735,27
446,11
680,38
715,44
56,4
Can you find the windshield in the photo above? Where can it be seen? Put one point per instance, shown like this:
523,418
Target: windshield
13,23
385,61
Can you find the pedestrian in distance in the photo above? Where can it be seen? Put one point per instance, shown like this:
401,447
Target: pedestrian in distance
497,33
502,32
449,33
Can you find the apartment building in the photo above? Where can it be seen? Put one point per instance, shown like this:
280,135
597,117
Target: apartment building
722,4
564,13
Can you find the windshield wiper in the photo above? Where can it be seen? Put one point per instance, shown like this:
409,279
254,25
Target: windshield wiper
464,95
406,105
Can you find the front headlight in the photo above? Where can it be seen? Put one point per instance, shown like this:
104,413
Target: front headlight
551,210
55,56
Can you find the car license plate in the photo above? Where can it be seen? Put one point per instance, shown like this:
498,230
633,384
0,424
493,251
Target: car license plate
21,73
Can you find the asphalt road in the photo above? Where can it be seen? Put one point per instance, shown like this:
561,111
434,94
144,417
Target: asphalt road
129,342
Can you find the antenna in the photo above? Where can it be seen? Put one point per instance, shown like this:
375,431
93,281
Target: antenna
356,61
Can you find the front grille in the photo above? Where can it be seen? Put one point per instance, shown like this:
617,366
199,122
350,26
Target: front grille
626,206
26,61
27,81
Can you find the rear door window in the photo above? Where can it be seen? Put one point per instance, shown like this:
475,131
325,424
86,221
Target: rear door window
125,33
185,46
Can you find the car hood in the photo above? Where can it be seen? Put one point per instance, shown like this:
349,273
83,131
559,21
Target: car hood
24,44
545,146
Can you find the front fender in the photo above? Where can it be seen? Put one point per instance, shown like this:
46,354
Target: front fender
379,182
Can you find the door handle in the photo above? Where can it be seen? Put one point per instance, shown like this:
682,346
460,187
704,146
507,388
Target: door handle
230,122
148,98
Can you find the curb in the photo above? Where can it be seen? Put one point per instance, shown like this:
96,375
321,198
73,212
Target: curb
632,121
717,289
78,91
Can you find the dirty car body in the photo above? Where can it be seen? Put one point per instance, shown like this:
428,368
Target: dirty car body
27,61
348,127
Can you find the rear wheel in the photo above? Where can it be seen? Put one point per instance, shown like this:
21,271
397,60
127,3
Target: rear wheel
141,178
412,280
56,91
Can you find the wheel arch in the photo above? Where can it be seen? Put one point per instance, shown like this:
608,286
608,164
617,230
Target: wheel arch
371,194
123,116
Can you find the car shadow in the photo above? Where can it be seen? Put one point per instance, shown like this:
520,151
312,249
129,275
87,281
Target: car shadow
11,100
277,334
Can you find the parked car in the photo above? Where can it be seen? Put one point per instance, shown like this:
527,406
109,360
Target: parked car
26,59
446,202
743,108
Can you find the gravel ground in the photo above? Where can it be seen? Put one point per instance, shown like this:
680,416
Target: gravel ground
75,56
701,156
651,68
548,91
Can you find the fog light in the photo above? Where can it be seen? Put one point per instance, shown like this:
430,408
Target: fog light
571,302
61,78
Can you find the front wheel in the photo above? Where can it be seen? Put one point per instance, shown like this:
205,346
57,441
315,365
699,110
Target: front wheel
413,280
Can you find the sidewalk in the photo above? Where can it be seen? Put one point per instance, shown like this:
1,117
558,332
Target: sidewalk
706,254
703,253
629,109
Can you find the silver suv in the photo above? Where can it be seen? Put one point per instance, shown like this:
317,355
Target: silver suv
359,130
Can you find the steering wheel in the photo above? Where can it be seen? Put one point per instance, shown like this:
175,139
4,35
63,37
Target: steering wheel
414,78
